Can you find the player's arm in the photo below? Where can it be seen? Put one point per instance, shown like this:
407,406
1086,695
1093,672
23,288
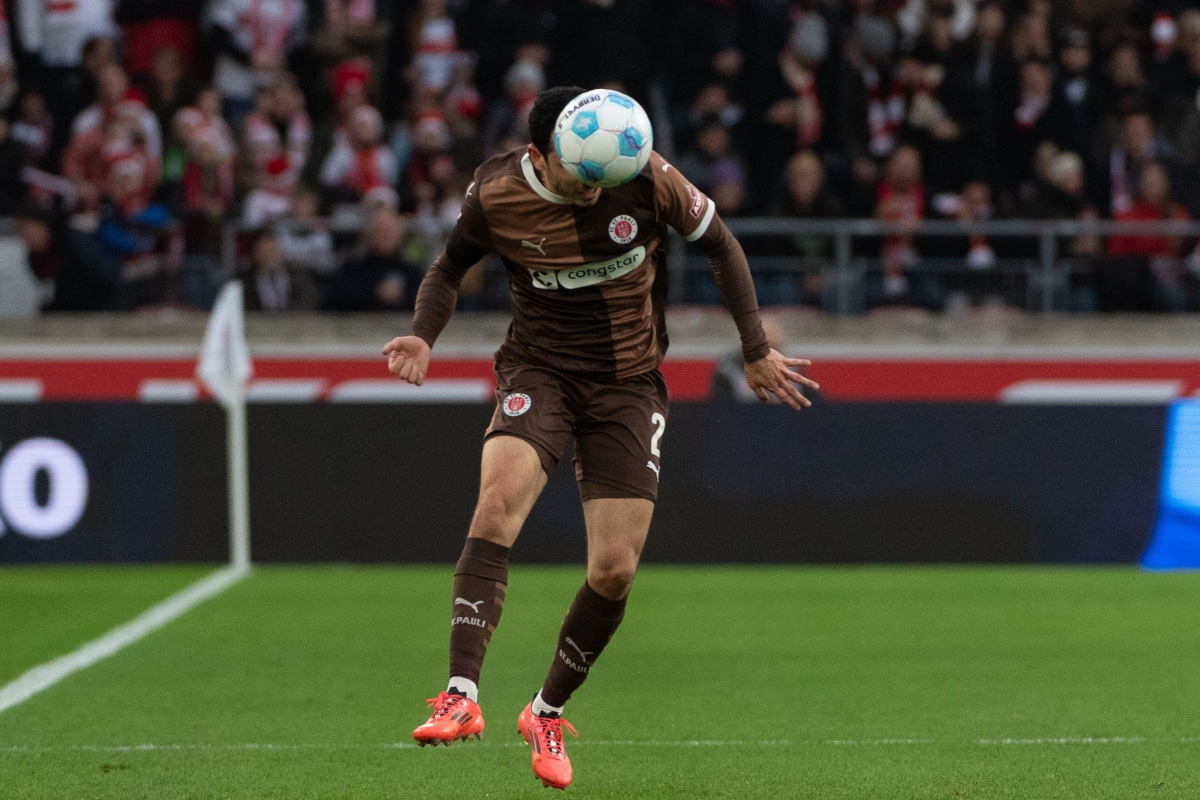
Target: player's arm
471,240
768,372
694,216
408,356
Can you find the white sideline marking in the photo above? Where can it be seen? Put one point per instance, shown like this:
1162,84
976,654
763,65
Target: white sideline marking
46,675
1049,740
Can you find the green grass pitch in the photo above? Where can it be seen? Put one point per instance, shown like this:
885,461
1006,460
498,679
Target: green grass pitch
739,683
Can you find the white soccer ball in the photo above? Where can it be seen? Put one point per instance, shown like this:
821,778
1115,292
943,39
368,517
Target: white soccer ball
603,138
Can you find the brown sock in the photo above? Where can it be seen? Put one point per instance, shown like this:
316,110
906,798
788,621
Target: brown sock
479,583
588,627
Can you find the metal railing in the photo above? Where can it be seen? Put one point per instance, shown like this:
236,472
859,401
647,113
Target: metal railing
1043,268
1047,271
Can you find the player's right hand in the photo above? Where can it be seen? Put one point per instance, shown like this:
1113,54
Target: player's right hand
408,358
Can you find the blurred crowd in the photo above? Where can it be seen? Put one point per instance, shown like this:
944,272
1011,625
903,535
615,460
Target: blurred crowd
326,144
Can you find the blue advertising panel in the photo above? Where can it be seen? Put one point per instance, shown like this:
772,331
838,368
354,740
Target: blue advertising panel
1176,542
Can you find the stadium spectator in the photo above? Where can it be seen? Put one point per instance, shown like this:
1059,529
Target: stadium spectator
797,97
360,162
93,154
349,85
150,26
33,127
208,181
113,100
206,196
983,68
304,236
381,279
277,137
270,285
798,100
431,162
435,50
1136,146
131,230
902,202
712,152
872,100
1147,273
1031,35
1028,125
353,30
252,40
167,87
72,271
204,119
1057,192
806,197
1073,114
918,16
508,120
67,41
728,191
1127,86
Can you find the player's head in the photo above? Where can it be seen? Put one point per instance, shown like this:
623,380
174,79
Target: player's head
542,119
544,115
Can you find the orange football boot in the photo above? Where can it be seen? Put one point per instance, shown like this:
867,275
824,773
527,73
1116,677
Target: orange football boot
454,718
544,735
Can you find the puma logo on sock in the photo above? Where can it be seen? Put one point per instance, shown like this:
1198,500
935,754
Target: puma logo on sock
458,601
583,654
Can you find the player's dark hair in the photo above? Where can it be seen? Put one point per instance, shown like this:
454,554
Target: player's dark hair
544,115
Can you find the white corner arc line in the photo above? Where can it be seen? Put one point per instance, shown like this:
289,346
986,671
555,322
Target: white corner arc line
46,675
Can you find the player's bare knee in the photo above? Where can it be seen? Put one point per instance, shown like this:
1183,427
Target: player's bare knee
496,518
614,579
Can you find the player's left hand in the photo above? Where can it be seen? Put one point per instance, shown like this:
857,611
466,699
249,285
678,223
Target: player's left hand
774,374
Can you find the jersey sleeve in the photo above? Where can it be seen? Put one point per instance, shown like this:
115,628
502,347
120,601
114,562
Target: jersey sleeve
472,224
684,207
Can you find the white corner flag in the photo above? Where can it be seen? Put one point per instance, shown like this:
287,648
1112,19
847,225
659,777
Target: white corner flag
225,361
224,369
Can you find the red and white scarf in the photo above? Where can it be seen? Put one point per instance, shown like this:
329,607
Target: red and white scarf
885,112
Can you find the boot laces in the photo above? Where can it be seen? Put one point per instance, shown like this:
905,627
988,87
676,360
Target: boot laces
444,704
549,730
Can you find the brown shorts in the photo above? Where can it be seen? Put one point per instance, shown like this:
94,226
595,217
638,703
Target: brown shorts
618,427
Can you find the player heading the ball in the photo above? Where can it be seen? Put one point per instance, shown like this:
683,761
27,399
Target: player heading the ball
579,218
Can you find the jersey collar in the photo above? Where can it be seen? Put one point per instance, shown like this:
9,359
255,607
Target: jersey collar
534,183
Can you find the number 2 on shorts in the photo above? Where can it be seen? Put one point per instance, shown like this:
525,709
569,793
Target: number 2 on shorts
661,421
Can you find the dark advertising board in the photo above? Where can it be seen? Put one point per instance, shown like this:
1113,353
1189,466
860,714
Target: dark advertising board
846,482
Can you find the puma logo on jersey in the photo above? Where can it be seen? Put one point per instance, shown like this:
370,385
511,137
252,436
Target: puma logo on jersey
458,601
650,465
533,246
666,166
583,654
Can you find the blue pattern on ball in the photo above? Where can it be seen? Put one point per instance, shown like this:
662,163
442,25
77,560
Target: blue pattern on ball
590,170
631,142
585,124
620,99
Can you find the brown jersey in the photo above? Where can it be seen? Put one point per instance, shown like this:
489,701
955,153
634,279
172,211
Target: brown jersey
588,284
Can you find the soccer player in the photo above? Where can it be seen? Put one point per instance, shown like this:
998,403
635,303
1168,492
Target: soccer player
587,276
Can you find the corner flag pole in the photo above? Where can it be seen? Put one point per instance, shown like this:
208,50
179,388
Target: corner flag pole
224,369
239,484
